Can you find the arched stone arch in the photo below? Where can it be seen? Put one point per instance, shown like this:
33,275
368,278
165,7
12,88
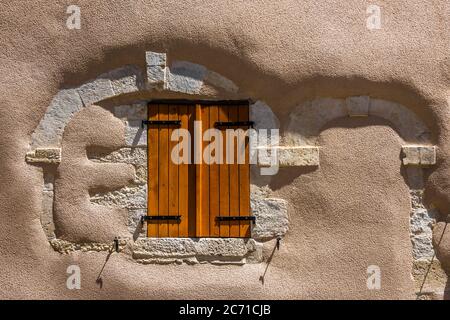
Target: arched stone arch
180,77
54,142
308,119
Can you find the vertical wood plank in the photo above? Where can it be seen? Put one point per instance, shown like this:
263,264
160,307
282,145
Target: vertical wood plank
198,174
163,164
244,180
204,167
183,178
233,168
173,174
152,176
192,185
224,182
214,226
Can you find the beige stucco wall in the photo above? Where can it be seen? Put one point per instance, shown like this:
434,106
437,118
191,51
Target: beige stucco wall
350,213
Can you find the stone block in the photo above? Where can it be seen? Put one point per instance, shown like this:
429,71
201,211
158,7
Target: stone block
135,135
95,91
289,156
141,175
134,220
61,109
222,247
185,77
127,197
67,247
134,156
44,155
411,155
145,248
271,218
308,119
125,80
409,126
156,69
135,111
213,250
422,222
427,155
358,106
419,155
263,116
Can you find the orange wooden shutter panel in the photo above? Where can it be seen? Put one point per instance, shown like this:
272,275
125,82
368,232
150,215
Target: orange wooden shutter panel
199,193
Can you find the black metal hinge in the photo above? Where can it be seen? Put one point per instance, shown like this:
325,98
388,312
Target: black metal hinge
220,124
158,218
161,122
236,218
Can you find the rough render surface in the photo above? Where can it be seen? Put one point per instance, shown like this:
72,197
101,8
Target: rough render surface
76,218
371,229
326,56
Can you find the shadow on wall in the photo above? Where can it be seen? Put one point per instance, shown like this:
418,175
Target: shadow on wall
277,89
233,65
287,175
353,212
341,87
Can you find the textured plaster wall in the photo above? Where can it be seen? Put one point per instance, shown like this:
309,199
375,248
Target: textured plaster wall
283,53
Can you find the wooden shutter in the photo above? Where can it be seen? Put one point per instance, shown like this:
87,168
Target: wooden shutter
199,193
169,184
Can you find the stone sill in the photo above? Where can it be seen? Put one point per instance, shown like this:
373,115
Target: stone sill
219,251
197,250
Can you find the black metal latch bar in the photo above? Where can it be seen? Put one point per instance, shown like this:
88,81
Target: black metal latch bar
161,122
219,124
164,218
236,218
